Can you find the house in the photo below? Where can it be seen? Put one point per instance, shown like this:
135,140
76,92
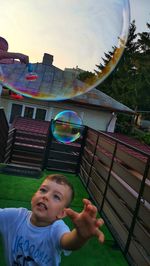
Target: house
96,109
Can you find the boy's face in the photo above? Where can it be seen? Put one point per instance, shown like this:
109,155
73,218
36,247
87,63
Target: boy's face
48,203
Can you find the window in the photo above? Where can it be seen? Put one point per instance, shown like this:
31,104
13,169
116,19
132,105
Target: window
16,110
28,112
40,114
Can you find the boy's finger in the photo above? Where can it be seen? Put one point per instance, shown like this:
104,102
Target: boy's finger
92,210
70,213
100,236
99,222
86,201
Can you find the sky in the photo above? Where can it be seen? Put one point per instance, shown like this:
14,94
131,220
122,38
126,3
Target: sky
75,32
140,11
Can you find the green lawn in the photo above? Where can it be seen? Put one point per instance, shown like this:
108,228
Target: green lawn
16,191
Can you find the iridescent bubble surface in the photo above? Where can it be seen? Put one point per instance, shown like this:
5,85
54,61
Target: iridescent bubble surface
31,75
66,126
82,34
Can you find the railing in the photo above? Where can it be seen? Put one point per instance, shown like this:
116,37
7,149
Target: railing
9,147
26,148
117,177
62,156
3,134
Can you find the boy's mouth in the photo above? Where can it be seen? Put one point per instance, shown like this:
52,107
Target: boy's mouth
42,205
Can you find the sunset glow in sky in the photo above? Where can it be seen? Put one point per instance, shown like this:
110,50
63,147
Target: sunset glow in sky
37,27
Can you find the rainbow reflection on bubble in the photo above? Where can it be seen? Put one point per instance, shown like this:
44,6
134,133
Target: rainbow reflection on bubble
66,126
91,30
31,75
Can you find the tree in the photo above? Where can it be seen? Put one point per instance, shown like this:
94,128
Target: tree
143,65
144,41
85,75
118,84
129,83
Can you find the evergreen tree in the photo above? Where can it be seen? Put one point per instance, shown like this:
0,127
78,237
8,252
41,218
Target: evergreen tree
143,65
144,41
129,83
85,75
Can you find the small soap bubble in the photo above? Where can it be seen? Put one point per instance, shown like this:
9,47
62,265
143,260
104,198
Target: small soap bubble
66,126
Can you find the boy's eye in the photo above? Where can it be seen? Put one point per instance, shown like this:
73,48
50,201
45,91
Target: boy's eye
56,197
42,190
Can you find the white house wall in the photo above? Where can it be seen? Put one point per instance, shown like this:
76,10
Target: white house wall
97,119
93,118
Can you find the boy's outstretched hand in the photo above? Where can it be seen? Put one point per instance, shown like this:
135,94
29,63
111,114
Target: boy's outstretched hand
86,223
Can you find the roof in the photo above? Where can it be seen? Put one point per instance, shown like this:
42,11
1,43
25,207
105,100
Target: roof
31,125
100,100
54,84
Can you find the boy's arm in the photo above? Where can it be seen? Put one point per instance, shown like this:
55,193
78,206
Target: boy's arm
7,55
86,226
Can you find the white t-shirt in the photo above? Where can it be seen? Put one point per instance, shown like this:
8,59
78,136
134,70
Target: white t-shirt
29,245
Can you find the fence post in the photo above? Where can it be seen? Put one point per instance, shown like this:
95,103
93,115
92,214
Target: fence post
48,144
12,145
84,135
109,173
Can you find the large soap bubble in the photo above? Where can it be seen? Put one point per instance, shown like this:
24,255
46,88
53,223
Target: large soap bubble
66,126
82,34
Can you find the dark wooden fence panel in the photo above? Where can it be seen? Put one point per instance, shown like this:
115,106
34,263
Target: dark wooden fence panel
3,134
116,175
64,157
9,147
28,148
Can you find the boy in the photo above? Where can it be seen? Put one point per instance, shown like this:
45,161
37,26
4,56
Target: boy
39,236
8,57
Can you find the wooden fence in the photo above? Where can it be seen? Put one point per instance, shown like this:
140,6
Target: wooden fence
27,146
3,134
115,174
62,156
117,177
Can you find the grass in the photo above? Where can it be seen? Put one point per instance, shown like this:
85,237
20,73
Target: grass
16,191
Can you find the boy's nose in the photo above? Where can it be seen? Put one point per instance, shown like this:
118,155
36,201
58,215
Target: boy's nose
45,197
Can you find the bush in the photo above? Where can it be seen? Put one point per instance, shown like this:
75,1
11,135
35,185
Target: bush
142,136
146,138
